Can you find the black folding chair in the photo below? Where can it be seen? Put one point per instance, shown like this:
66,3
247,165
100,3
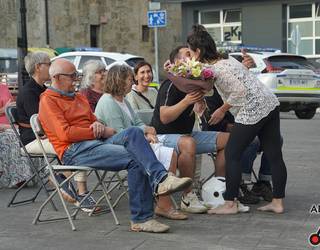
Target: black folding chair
12,115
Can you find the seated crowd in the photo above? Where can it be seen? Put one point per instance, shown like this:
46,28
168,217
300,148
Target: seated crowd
99,127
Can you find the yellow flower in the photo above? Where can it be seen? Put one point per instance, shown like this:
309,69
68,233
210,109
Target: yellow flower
196,72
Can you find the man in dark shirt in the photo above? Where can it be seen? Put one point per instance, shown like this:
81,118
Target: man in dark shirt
29,97
174,116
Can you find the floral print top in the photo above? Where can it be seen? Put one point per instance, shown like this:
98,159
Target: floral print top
250,99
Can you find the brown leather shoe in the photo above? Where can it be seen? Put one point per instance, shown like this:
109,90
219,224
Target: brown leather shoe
172,214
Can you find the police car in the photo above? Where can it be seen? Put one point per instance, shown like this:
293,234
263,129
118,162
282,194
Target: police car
292,78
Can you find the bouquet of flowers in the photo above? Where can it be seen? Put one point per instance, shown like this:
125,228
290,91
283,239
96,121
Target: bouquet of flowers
189,75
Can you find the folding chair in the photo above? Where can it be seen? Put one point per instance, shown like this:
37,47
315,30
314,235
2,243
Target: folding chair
114,181
12,115
38,131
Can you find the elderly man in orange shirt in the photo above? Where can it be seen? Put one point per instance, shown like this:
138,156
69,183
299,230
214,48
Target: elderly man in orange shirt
80,139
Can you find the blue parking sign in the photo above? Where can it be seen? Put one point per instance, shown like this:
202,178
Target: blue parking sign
157,18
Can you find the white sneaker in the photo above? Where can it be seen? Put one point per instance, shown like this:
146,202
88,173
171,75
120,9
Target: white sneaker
190,203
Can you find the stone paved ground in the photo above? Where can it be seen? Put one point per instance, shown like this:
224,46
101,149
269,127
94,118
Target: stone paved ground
253,230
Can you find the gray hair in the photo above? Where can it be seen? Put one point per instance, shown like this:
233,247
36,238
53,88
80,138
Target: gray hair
34,58
89,70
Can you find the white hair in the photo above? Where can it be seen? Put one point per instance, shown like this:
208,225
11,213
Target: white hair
89,70
55,68
34,58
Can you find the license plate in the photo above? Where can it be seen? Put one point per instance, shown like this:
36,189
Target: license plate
296,82
304,83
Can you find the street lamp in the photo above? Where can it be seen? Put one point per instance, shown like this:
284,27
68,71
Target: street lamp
22,42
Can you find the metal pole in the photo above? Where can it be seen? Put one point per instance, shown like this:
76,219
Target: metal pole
47,22
22,42
156,54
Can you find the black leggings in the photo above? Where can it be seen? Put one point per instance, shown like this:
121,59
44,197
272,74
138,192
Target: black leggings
268,131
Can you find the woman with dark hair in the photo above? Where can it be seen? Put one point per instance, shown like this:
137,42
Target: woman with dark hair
142,96
256,112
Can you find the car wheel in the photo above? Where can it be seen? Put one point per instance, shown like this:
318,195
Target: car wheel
305,113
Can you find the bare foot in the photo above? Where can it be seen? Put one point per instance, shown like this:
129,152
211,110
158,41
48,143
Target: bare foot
276,206
229,207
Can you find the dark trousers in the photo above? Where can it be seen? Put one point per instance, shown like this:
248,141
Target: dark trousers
268,131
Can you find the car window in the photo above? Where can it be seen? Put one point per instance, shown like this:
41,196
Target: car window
8,65
70,58
315,64
109,60
290,62
84,59
238,57
133,61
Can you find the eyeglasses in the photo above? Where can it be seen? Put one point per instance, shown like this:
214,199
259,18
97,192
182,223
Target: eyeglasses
73,76
46,63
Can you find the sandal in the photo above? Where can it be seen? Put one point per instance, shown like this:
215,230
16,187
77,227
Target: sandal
172,214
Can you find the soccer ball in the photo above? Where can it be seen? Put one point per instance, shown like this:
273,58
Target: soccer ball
212,191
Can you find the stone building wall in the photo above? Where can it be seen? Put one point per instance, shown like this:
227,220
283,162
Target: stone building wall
120,25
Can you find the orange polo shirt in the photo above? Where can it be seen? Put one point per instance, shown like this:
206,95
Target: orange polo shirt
65,120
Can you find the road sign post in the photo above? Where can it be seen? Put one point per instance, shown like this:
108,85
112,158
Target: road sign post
156,19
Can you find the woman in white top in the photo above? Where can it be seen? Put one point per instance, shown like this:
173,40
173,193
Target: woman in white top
142,96
256,112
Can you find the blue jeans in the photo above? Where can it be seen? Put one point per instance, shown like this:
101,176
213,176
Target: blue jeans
248,158
126,150
206,141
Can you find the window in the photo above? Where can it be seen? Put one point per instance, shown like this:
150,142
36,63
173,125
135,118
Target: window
231,16
8,65
318,46
134,61
94,32
109,60
145,33
70,58
300,11
84,59
303,29
222,25
210,17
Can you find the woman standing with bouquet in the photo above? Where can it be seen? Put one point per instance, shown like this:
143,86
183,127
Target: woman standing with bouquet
256,112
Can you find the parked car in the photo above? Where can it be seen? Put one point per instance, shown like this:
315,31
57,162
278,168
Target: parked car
79,58
9,65
292,78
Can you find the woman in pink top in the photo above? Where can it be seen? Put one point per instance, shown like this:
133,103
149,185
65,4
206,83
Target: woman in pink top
14,169
5,100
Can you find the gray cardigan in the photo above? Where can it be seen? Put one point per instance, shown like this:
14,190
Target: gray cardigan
109,112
